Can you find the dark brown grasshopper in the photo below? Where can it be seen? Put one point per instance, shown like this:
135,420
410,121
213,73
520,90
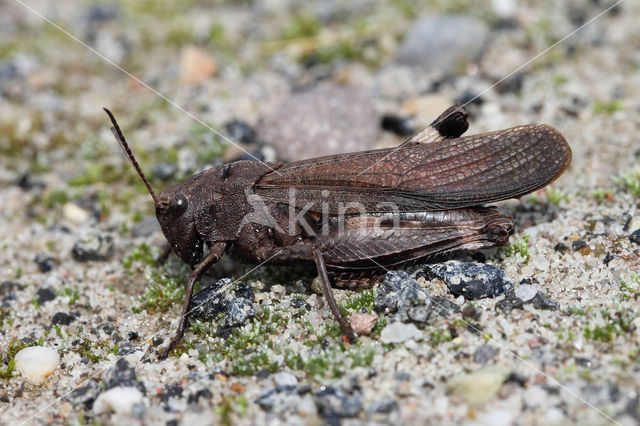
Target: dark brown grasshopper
355,215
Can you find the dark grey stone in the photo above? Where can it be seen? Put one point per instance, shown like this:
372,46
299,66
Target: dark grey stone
542,301
331,402
635,236
93,246
444,307
443,43
44,261
122,374
223,297
401,294
578,244
472,280
45,295
61,318
484,354
509,303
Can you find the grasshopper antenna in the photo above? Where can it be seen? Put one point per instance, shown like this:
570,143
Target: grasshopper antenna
129,153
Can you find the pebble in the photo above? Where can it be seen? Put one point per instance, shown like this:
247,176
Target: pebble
36,363
93,246
635,236
120,400
164,171
542,301
75,214
526,292
223,296
321,121
240,132
484,354
398,332
61,318
122,375
44,295
479,387
443,43
285,379
363,323
196,65
401,294
578,244
44,261
332,403
145,227
471,280
509,303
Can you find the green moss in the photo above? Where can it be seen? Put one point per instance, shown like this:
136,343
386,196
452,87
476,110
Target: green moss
616,324
72,293
630,287
555,196
519,247
440,336
600,107
364,299
162,292
9,355
630,180
301,25
231,405
141,254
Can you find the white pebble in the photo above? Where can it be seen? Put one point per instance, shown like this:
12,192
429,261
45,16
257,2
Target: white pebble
285,379
398,332
526,292
75,214
120,400
541,262
36,363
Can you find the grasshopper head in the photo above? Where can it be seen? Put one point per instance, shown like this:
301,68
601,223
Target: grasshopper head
174,209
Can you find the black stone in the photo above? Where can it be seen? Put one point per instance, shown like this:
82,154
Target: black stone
396,124
223,298
509,303
157,341
8,290
299,303
578,244
560,247
44,261
516,378
401,294
332,403
132,335
239,131
202,393
123,374
472,280
61,318
384,406
126,348
93,247
542,301
170,391
635,236
45,295
470,98
85,394
607,258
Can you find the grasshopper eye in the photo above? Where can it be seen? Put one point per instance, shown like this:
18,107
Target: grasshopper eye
178,205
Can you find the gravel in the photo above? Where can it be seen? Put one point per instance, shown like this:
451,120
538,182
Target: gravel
267,349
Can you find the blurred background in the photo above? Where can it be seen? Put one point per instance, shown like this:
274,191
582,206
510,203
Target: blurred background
196,83
295,79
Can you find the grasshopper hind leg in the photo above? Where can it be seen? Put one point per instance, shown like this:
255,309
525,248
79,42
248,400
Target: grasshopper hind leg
328,294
